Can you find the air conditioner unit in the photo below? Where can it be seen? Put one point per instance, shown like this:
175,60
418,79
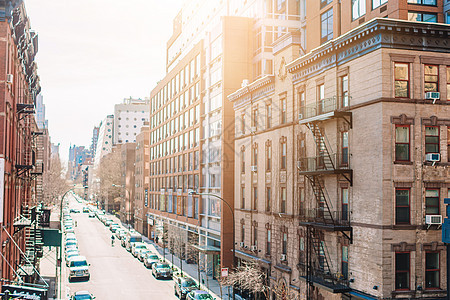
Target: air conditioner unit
433,157
432,96
300,116
254,168
252,129
9,78
283,257
241,244
254,248
433,219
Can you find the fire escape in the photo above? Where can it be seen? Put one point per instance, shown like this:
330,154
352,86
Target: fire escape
317,268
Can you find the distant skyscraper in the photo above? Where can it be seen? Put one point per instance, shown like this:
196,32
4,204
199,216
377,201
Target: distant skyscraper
105,139
129,117
95,132
40,112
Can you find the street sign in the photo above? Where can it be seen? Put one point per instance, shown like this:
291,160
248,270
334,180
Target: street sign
224,272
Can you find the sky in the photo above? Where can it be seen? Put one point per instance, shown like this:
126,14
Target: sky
93,54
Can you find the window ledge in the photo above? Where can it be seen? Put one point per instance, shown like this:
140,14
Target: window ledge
403,163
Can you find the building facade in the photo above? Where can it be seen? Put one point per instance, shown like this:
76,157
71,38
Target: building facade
192,122
128,184
345,166
142,174
129,117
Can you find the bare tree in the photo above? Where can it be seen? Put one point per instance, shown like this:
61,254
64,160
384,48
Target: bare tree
109,174
248,276
54,185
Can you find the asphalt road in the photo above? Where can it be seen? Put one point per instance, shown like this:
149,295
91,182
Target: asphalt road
115,273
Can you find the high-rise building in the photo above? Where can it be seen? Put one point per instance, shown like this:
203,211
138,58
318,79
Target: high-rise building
40,112
216,47
105,139
93,146
129,118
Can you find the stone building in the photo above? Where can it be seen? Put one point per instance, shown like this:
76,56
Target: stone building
343,164
142,173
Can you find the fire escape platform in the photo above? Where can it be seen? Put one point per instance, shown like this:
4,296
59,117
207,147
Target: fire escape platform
327,227
327,116
333,287
326,171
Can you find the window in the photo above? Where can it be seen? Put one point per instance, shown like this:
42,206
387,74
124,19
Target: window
242,233
283,156
432,270
268,198
268,158
255,198
431,201
283,200
344,91
301,105
432,139
255,156
321,96
344,148
358,8
243,124
255,235
269,115
301,200
344,203
345,262
401,85
402,143
448,78
422,17
242,197
324,2
448,143
269,241
242,161
402,206
284,245
423,2
376,3
402,271
255,119
283,113
326,26
431,78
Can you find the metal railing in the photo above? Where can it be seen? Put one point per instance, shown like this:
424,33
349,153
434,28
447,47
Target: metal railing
324,106
322,163
321,215
318,275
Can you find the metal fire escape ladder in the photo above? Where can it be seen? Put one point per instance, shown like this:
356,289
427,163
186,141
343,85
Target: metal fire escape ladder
324,157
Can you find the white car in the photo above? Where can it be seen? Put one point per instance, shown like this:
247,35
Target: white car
78,268
136,246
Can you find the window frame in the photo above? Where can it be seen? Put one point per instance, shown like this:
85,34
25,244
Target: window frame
381,2
283,200
325,21
421,3
429,81
438,139
402,143
408,271
403,206
438,270
268,198
433,197
283,110
283,156
268,241
408,81
362,9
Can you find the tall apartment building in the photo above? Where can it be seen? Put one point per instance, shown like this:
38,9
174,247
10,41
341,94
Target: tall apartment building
129,117
142,180
341,178
215,46
19,89
105,139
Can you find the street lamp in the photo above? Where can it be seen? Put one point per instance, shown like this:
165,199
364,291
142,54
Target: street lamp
232,214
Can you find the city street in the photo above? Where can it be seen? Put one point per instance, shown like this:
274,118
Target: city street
115,273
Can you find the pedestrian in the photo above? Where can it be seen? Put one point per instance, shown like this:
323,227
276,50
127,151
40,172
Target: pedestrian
156,239
76,223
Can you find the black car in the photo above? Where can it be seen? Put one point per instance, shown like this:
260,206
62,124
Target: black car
184,285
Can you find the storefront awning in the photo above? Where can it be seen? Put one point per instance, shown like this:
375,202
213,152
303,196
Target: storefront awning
359,295
207,249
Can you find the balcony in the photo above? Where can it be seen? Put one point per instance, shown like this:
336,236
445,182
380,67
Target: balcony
321,218
332,282
333,163
325,109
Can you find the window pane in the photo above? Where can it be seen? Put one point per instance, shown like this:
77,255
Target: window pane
432,131
402,134
402,197
432,260
401,71
402,152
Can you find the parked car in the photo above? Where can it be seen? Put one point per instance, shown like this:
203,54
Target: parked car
114,228
183,286
85,209
82,295
161,270
142,253
136,246
75,210
199,294
71,254
70,243
79,268
91,215
150,259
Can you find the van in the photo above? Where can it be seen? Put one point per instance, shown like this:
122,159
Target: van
131,239
79,268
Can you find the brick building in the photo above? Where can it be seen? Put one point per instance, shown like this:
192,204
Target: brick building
142,173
